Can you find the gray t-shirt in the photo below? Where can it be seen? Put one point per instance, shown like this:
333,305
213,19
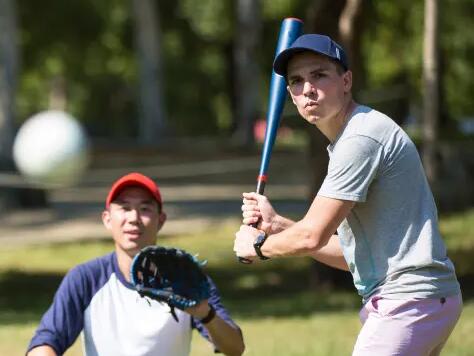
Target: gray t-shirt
390,240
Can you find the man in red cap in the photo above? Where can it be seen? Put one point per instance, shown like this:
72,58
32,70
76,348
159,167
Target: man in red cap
98,299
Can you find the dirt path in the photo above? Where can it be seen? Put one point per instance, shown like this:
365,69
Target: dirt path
198,192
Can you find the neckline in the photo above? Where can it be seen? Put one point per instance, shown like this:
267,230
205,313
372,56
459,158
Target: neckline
349,118
119,273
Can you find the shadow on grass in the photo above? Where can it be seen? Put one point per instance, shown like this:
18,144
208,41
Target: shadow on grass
464,263
26,296
263,293
278,290
265,290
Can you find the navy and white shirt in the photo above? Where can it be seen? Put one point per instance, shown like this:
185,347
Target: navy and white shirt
95,298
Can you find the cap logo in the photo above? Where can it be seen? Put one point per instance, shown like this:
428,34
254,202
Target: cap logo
337,53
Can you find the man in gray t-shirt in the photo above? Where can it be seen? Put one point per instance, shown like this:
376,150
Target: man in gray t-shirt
391,241
377,198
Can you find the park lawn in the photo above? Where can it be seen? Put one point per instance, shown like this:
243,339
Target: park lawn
278,312
325,334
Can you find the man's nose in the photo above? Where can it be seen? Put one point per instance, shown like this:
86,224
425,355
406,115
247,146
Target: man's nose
308,88
133,215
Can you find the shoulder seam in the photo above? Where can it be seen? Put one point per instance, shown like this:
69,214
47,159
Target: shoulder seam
355,135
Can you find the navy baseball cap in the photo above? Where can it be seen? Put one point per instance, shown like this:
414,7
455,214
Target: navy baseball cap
319,44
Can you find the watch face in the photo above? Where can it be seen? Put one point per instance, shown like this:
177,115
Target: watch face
258,244
260,239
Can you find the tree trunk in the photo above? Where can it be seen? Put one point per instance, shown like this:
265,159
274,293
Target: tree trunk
57,93
152,122
8,73
350,35
11,195
246,67
430,90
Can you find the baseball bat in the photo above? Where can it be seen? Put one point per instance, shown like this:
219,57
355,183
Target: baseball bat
291,28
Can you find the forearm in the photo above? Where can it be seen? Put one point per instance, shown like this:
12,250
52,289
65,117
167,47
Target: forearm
43,350
331,254
308,237
227,338
279,224
297,240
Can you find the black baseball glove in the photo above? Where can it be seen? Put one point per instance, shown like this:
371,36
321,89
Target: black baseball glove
170,275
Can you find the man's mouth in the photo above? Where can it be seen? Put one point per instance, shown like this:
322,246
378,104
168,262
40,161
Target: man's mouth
133,232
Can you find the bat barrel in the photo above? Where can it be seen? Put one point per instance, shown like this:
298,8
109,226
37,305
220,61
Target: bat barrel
290,30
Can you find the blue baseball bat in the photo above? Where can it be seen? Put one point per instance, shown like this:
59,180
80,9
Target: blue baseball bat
291,28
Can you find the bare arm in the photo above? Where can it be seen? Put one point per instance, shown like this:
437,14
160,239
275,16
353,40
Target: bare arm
311,236
226,338
44,350
311,233
331,254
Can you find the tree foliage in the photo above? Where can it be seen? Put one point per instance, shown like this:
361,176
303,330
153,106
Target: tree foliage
88,43
393,50
91,45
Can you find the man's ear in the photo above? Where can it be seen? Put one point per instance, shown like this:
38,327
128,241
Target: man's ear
289,92
106,219
347,78
161,220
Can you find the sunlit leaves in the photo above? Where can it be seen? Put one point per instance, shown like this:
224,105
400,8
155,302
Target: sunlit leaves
210,19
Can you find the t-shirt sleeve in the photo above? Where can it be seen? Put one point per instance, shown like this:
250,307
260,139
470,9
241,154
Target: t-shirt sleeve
353,165
215,301
64,320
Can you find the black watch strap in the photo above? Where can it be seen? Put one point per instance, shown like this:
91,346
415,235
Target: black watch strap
257,245
209,316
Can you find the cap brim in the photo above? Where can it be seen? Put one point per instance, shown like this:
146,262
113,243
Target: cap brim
281,61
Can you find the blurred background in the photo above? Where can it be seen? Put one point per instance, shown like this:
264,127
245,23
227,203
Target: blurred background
178,89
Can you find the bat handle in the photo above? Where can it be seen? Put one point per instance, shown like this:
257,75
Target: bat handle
260,189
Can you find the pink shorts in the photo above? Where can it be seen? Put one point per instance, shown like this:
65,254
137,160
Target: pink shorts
406,327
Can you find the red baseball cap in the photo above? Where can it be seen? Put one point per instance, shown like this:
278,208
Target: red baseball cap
134,180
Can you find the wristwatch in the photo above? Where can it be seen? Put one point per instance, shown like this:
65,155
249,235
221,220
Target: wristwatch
258,243
209,316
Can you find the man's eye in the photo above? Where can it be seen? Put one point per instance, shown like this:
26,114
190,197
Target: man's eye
294,82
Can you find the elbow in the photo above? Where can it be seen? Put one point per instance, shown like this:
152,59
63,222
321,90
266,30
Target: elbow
237,347
311,240
241,350
309,245
237,351
240,346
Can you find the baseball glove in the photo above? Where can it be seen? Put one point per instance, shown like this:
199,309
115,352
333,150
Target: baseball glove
170,275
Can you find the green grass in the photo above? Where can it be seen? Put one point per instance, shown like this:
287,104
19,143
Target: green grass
458,232
272,302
